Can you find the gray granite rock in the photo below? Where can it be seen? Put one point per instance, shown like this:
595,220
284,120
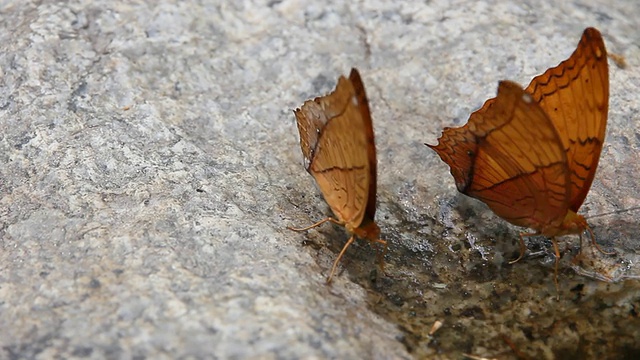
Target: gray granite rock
149,167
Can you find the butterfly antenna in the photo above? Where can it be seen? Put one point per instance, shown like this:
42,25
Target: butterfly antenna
613,212
315,225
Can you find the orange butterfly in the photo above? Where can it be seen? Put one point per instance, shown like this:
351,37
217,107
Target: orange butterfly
337,141
531,154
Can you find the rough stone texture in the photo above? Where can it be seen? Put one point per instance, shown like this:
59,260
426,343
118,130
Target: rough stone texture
149,166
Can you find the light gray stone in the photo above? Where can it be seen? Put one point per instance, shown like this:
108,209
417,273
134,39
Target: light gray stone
149,167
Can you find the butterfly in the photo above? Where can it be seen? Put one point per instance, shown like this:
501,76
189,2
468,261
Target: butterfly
337,142
531,154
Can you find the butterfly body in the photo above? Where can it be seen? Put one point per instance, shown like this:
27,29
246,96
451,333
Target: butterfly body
572,224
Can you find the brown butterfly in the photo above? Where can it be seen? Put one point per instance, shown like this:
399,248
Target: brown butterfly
337,141
531,154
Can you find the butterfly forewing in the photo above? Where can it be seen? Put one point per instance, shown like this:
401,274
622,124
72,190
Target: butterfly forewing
575,96
363,106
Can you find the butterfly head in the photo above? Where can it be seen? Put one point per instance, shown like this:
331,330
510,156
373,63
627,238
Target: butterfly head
572,223
367,230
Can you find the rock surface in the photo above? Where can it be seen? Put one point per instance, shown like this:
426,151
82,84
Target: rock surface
149,167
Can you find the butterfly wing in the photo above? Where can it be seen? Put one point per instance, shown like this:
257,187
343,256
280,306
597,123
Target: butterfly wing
363,105
509,156
335,137
575,96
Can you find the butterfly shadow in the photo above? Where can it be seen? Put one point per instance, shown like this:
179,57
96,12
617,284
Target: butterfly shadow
618,234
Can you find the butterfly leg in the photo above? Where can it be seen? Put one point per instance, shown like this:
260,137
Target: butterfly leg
384,252
593,241
555,275
316,224
523,247
335,263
